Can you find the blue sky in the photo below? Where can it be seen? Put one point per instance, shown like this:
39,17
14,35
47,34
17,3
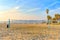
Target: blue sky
28,9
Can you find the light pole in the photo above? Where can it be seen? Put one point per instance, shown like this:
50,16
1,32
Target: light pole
47,11
9,22
8,25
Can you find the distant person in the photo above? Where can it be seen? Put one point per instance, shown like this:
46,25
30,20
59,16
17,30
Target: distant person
8,24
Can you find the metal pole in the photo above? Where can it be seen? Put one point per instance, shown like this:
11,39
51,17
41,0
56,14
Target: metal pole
8,24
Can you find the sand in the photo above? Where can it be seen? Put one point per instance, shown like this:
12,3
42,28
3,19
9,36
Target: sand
30,32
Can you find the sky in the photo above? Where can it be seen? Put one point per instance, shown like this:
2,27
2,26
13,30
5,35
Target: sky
28,9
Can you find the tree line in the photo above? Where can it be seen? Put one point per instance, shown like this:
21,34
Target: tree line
54,19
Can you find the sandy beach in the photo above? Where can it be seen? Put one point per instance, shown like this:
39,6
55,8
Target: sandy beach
29,32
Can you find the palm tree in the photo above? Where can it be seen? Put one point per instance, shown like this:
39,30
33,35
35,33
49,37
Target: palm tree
54,20
49,17
47,11
57,16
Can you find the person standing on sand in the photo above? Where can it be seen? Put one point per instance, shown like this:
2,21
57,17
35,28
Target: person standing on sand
8,24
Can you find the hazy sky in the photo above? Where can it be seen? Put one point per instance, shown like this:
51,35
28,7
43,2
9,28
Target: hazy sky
27,9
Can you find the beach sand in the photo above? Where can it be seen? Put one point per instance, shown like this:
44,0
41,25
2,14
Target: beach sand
30,32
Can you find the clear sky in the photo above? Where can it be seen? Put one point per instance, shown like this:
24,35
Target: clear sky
27,9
